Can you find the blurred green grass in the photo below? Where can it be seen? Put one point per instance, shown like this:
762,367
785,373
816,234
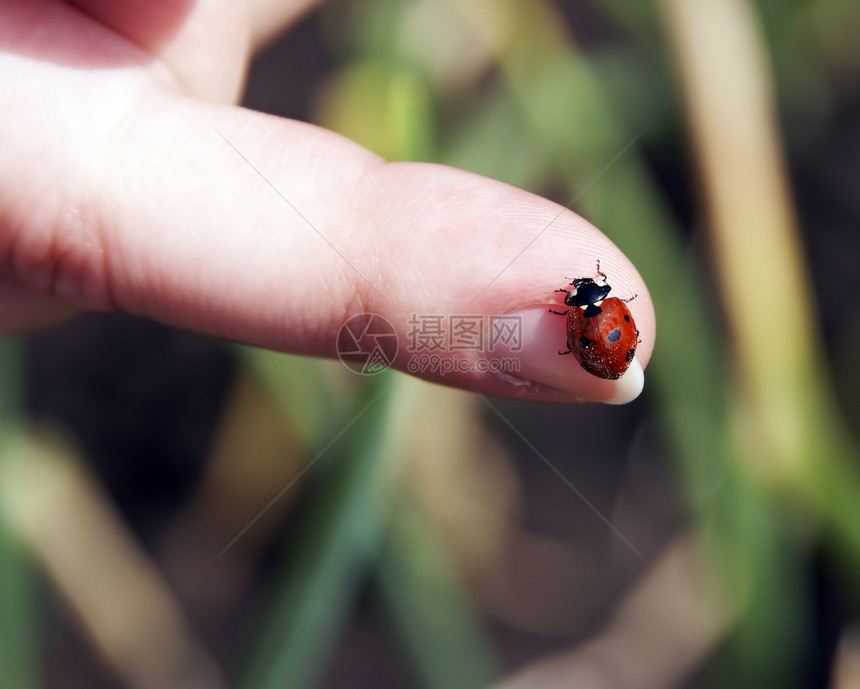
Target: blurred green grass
20,647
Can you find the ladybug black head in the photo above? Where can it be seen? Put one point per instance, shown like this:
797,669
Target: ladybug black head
586,291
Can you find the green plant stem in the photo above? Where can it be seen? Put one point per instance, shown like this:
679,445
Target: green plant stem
336,546
18,591
431,612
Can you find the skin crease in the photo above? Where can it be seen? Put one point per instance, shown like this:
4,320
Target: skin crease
129,180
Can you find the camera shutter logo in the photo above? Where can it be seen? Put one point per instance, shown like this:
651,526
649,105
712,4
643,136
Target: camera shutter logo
367,344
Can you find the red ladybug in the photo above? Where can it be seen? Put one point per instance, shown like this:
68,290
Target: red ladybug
601,333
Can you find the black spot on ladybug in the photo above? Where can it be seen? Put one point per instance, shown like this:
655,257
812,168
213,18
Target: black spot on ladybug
584,343
627,318
614,335
630,354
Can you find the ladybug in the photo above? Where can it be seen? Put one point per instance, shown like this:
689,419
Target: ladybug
601,333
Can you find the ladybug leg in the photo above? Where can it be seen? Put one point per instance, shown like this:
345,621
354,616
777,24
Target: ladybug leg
627,301
560,353
600,273
561,313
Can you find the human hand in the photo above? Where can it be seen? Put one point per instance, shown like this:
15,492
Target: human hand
129,180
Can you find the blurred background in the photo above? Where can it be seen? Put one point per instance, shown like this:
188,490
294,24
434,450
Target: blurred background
178,511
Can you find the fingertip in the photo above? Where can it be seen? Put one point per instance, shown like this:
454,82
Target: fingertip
557,376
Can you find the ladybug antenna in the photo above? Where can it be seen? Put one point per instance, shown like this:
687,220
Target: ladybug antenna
600,273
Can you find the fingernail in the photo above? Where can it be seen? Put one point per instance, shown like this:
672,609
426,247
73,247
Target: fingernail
629,386
543,337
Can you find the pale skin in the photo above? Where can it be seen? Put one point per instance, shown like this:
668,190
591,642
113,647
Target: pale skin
130,180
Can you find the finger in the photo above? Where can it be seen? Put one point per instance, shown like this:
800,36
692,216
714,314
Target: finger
205,44
22,310
182,35
275,233
269,18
